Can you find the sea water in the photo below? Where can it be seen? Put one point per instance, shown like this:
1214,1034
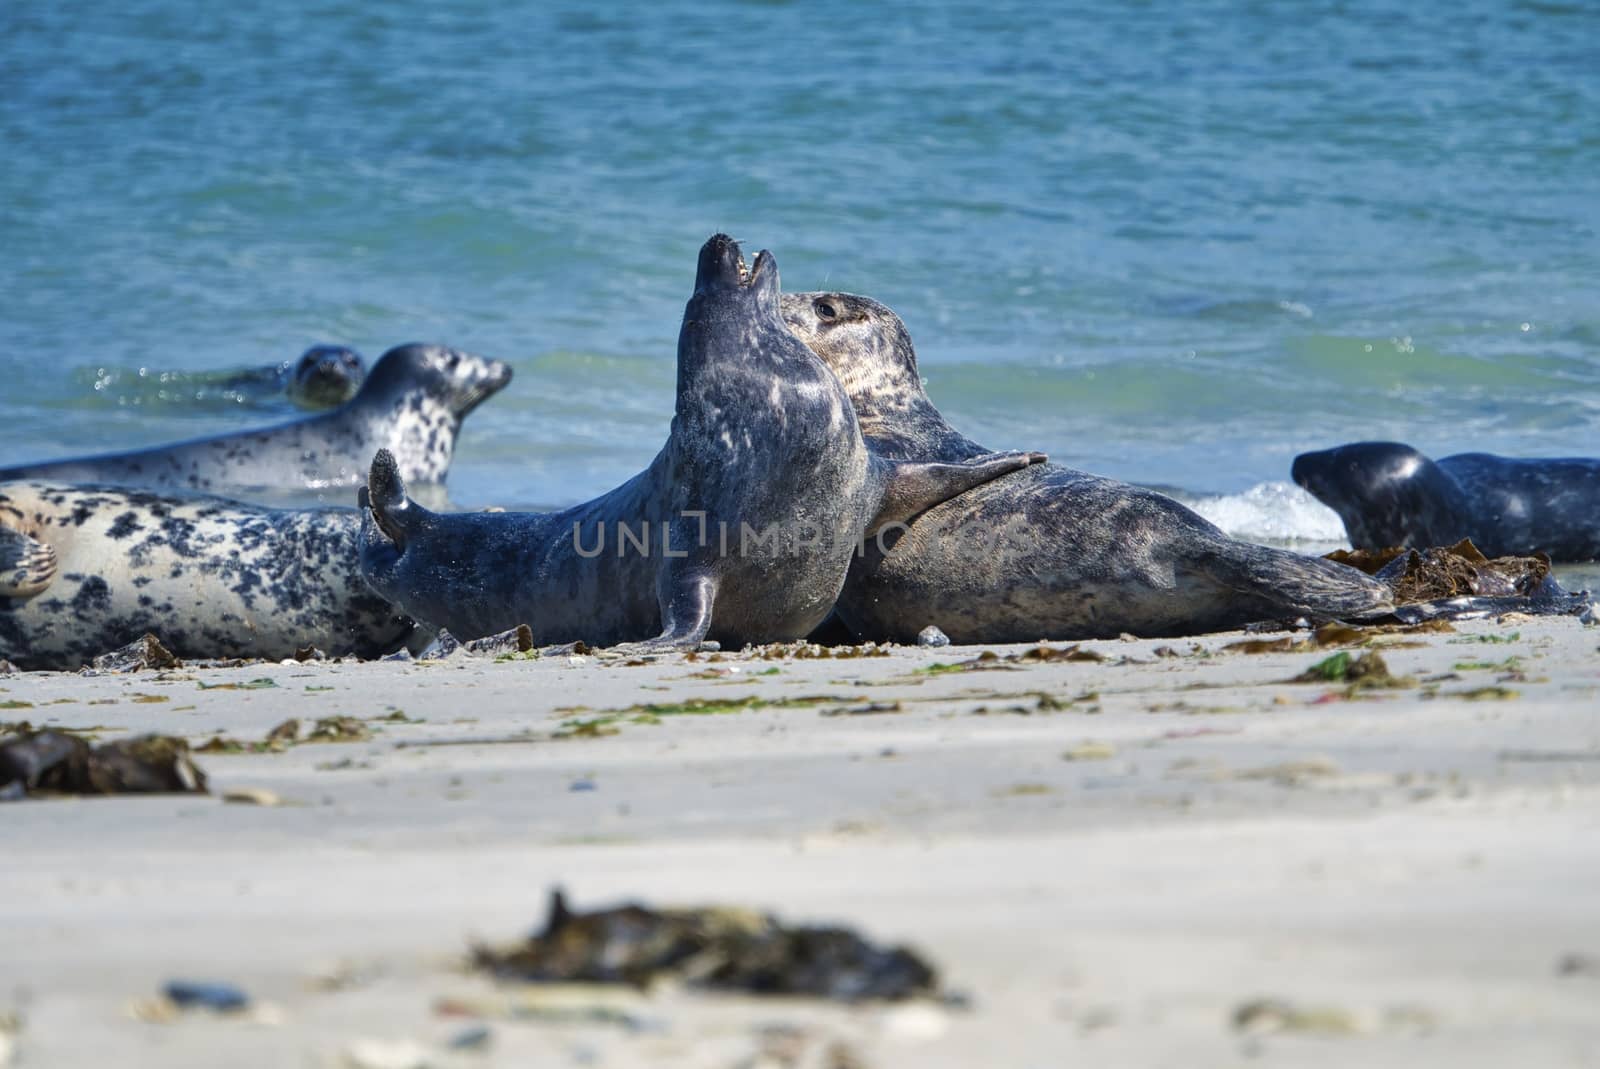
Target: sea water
1169,243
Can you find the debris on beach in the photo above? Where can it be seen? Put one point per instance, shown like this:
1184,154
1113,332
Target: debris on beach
1366,671
517,641
338,729
719,948
1438,572
277,740
54,762
1269,1016
1266,1016
932,637
1457,581
7,668
205,995
1336,633
138,655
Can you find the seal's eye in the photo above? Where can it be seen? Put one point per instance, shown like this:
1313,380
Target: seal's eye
452,361
826,311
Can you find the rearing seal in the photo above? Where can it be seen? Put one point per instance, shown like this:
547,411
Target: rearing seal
1048,552
412,404
1389,494
741,529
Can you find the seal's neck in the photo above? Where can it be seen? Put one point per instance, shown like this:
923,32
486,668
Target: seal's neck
897,417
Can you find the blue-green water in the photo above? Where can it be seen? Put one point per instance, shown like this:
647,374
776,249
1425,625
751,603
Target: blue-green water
1172,243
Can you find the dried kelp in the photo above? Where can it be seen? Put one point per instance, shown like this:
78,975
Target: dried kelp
717,948
59,763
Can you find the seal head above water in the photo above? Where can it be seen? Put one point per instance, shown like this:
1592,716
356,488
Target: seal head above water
1048,553
325,376
741,530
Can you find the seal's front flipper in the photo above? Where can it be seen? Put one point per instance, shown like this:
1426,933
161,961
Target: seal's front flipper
685,615
913,487
27,566
384,499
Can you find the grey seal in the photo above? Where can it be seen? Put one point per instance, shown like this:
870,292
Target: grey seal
741,529
1389,495
322,377
412,404
84,570
1044,553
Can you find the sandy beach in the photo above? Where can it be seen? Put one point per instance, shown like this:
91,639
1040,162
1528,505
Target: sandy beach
1155,853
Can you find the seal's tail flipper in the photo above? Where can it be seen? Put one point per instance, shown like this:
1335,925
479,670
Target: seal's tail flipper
384,499
27,566
913,487
1295,584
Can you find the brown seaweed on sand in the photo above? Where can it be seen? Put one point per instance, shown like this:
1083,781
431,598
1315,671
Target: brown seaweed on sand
59,763
1450,572
717,948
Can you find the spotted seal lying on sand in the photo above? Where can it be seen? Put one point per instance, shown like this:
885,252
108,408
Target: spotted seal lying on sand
1044,553
86,570
1389,494
741,530
411,404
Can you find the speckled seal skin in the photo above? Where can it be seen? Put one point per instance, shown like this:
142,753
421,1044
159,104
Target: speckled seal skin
86,570
1047,553
1388,494
763,439
412,404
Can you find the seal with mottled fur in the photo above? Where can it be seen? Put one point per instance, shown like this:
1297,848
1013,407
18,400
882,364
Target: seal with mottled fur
1389,495
741,530
411,404
1046,553
86,570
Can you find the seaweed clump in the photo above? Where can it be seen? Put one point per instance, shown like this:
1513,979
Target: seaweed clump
1451,572
717,948
54,762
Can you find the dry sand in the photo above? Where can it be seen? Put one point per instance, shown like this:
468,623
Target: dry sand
1110,860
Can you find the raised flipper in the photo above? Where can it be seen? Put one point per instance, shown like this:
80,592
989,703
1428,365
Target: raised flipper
27,566
384,499
911,488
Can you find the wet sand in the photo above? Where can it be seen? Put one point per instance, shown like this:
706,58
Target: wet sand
1170,856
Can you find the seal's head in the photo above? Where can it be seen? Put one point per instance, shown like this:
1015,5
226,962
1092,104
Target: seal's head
326,376
1387,494
723,285
456,380
862,341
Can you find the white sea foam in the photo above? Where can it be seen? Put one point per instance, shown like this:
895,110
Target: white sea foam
1272,512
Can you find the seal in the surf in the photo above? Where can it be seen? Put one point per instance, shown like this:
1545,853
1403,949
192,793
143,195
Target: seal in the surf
1044,553
325,376
85,570
412,404
1389,495
322,377
741,529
